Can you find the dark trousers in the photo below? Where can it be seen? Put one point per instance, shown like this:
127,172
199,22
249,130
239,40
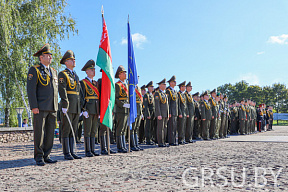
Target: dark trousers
91,125
222,127
241,126
161,130
205,128
66,128
44,124
212,128
136,125
233,126
121,124
196,128
189,128
181,127
141,133
79,131
172,128
149,129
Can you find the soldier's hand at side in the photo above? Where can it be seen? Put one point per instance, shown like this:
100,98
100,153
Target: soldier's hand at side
58,122
85,114
148,117
64,110
180,116
196,118
170,115
35,110
187,116
159,117
126,105
212,117
203,119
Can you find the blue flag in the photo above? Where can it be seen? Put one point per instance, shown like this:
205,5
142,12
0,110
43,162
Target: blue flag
132,79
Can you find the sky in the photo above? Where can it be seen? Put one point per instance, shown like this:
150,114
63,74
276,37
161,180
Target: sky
208,42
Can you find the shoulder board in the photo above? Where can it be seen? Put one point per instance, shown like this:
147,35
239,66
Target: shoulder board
53,68
36,65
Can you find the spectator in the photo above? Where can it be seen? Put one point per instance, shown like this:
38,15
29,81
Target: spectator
24,124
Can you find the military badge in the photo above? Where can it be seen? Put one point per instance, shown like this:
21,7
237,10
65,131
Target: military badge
30,76
61,80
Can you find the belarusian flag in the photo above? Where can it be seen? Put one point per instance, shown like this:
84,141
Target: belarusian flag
104,61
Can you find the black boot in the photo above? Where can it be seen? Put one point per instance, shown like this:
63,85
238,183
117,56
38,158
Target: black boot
103,145
119,145
65,147
132,143
87,147
106,141
136,142
71,144
123,139
92,144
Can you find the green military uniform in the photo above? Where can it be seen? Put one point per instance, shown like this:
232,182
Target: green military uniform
42,90
212,128
173,113
223,118
227,117
191,113
182,110
242,119
149,114
90,104
161,109
69,88
234,117
218,118
141,132
248,119
122,112
136,124
197,119
206,117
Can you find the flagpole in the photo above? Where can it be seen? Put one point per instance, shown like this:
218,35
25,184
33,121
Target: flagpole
128,120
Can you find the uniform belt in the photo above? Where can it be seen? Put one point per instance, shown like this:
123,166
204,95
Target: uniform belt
138,101
73,92
91,97
123,98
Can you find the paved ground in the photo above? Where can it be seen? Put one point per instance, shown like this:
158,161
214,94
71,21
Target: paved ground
156,169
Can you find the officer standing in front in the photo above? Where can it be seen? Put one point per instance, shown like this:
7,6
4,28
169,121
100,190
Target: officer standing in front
182,113
69,88
42,89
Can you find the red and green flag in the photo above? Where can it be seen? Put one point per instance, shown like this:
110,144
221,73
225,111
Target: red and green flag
104,61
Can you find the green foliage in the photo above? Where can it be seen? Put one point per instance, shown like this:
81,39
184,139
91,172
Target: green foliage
25,26
275,95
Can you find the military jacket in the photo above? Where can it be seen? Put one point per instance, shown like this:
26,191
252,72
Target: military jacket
161,104
233,113
242,112
42,88
213,107
69,89
90,96
139,100
121,97
190,104
182,104
206,111
197,110
248,112
172,101
149,104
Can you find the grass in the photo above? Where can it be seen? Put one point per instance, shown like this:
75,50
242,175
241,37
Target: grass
280,123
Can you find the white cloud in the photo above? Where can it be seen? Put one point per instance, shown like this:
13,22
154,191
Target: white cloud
250,78
281,39
260,53
137,38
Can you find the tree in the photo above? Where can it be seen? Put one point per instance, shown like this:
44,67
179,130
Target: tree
25,26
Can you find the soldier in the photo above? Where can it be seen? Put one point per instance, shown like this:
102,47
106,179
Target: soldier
182,114
136,124
143,120
223,116
161,113
197,118
253,116
173,111
248,117
122,108
149,113
242,117
206,116
218,116
90,106
227,116
69,88
42,92
212,102
270,111
234,116
191,114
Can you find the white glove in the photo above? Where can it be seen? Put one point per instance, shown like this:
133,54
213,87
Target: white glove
85,114
64,110
126,105
81,114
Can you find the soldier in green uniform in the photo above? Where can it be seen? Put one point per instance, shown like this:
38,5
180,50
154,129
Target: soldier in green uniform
42,89
223,116
212,102
149,113
227,116
173,111
218,116
234,117
197,117
161,113
253,116
136,124
242,117
191,114
182,113
121,108
206,116
90,106
248,117
143,120
69,88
